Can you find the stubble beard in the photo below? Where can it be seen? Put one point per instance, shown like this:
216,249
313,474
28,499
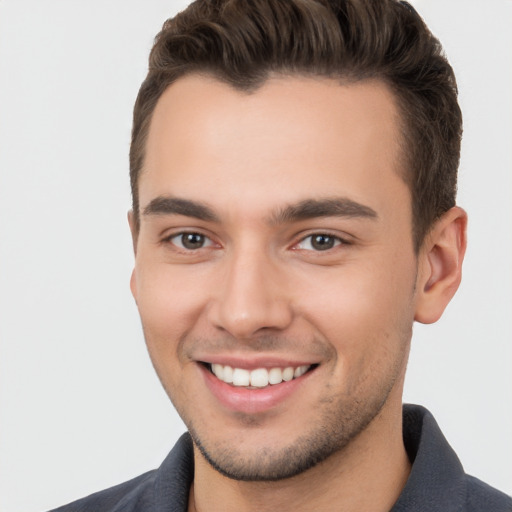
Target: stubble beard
338,422
331,434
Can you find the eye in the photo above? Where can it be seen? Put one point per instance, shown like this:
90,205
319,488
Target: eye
190,241
319,242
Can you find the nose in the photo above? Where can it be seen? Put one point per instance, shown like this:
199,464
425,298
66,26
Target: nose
252,297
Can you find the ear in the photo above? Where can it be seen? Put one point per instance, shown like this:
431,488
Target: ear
133,229
440,265
135,233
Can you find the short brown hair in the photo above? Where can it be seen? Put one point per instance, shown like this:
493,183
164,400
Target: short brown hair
242,42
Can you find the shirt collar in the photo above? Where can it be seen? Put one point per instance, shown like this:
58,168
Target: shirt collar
436,479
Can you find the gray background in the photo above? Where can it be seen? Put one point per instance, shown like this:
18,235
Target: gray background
80,406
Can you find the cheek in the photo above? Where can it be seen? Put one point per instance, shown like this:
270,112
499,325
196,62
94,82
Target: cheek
364,311
168,306
169,303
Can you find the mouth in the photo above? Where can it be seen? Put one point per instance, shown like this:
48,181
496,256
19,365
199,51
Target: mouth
256,387
258,378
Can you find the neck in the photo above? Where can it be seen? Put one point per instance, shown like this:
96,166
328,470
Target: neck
368,474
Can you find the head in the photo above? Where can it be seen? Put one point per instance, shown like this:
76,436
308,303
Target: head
293,173
242,44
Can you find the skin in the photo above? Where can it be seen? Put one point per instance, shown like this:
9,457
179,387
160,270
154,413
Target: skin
258,293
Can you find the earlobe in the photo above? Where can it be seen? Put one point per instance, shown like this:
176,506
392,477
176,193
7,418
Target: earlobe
440,265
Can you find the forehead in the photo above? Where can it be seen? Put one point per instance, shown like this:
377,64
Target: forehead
292,138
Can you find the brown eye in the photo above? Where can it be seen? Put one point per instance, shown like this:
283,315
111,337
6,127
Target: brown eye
319,242
322,242
190,241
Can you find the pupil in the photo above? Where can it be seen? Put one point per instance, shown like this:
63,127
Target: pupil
192,240
322,242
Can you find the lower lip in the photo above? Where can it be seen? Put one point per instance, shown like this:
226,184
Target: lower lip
251,401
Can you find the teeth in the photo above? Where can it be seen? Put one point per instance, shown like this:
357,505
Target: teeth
218,371
275,376
301,370
288,374
228,374
259,378
241,377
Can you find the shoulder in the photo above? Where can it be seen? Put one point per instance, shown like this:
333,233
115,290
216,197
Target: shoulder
483,497
135,494
164,489
437,481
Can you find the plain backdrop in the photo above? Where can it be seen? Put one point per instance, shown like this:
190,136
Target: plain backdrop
80,406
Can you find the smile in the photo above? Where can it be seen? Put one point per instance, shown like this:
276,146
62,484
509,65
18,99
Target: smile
257,378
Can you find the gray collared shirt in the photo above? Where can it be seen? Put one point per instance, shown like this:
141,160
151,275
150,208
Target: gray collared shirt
437,482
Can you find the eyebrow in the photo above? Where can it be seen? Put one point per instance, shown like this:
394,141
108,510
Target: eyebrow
168,205
303,210
330,207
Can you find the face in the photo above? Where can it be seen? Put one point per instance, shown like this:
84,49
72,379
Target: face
275,271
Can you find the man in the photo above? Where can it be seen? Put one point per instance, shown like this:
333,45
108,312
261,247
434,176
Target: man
293,171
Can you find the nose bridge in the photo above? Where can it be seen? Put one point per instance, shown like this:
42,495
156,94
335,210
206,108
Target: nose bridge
251,297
